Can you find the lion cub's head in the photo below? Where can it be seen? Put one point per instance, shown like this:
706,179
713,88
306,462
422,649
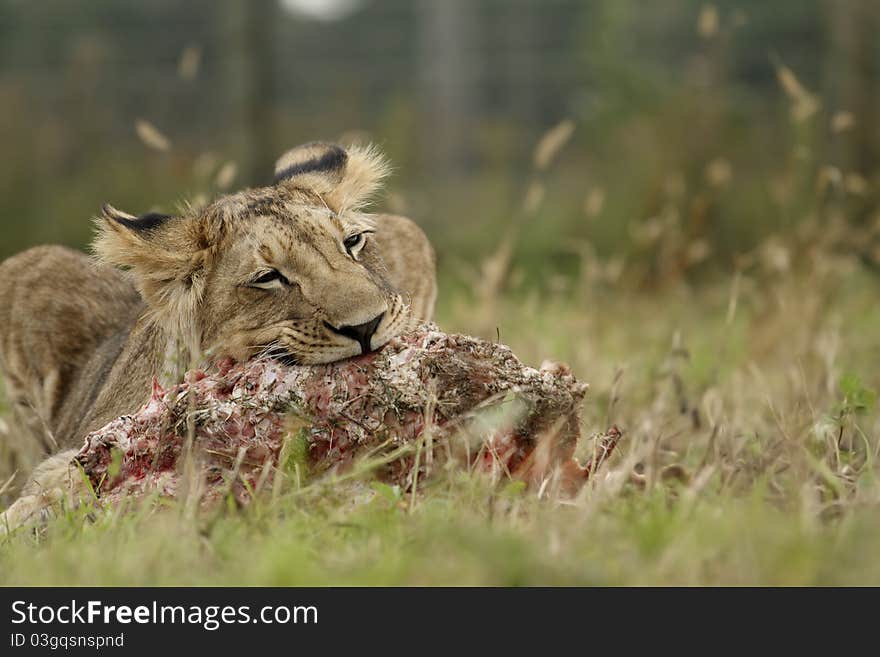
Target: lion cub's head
286,270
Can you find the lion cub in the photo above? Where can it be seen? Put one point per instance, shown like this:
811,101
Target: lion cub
295,270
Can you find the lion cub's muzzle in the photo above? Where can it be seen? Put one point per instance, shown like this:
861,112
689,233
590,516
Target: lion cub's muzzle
360,333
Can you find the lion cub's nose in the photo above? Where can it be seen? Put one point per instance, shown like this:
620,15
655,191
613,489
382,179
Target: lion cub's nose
360,332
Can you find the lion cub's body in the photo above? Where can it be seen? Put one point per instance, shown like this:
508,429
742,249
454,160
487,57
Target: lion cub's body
283,270
63,323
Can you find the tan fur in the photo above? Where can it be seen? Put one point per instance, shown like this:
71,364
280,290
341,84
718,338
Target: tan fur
80,340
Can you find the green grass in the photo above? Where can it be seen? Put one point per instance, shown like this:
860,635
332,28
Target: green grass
749,457
465,536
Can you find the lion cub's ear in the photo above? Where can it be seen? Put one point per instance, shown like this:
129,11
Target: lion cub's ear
345,178
165,254
155,245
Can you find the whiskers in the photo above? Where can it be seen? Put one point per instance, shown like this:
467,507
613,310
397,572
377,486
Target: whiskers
303,344
272,351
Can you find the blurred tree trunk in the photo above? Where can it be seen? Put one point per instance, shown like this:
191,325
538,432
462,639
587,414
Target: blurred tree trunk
448,32
260,88
521,24
851,75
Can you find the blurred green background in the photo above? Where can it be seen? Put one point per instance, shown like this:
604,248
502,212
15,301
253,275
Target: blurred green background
699,129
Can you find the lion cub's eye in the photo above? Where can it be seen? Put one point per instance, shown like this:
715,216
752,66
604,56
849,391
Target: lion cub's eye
269,279
354,243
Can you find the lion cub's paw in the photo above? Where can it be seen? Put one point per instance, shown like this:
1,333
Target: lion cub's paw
56,481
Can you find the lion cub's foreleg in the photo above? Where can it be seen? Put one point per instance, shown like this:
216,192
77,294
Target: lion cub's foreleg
56,481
